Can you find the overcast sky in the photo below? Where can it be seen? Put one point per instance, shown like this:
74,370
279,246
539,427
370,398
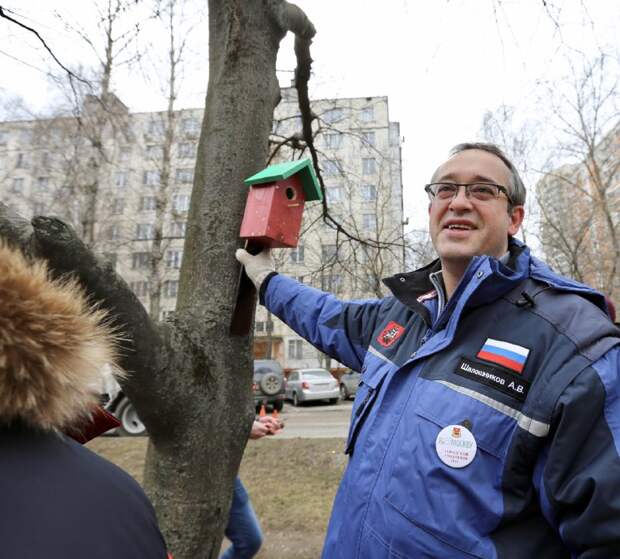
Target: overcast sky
441,63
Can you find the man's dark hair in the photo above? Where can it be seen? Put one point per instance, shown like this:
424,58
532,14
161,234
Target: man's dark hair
516,187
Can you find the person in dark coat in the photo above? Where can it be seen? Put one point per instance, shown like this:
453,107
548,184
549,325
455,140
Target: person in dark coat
59,499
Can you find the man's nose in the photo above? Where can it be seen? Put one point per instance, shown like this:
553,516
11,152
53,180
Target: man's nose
460,200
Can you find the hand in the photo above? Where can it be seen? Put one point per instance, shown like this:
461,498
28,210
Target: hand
273,424
256,267
259,430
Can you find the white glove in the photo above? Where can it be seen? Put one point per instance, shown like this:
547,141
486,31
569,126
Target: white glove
256,267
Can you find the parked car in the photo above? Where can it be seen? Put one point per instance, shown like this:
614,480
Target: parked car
349,382
122,408
268,384
304,385
119,405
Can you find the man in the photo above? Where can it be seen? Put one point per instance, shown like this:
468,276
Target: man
59,499
243,529
487,423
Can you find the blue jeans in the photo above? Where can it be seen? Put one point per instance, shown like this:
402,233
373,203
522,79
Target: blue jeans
243,529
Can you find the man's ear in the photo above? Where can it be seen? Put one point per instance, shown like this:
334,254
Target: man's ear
516,215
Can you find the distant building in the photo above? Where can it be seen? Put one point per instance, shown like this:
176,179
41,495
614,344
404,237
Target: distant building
46,168
580,217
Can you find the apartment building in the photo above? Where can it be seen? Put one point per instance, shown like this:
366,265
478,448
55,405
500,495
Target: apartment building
117,161
579,206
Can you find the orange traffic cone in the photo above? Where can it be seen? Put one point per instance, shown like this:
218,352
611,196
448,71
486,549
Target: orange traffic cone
262,412
274,413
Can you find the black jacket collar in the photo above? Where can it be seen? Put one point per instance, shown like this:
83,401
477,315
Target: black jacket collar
407,287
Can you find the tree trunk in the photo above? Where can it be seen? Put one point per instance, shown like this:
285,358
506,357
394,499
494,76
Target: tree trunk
189,476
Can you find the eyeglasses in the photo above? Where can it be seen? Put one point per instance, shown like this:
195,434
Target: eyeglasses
482,191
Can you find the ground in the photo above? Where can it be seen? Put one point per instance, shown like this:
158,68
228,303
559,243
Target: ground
292,483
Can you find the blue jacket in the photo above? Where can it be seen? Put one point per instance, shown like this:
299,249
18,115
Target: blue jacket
545,479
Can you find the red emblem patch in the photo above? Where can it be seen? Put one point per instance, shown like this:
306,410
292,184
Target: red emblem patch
390,334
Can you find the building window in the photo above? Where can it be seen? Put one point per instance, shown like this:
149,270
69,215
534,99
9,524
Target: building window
368,284
329,252
369,192
171,288
180,202
367,114
362,255
187,150
295,349
369,222
25,136
18,186
185,176
22,161
112,232
368,137
154,152
333,140
332,115
148,203
177,229
331,282
124,154
140,288
118,205
259,326
296,123
4,137
46,159
38,208
334,193
144,231
369,166
151,178
121,179
332,167
297,254
156,127
140,260
190,126
174,258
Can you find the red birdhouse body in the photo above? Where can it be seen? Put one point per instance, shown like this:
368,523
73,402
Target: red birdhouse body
273,213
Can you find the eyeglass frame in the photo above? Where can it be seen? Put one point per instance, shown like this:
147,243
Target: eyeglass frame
502,189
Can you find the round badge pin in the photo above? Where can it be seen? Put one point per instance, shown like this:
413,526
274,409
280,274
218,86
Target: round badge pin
456,446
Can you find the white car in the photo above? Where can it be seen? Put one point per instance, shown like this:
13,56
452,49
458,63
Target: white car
304,385
119,405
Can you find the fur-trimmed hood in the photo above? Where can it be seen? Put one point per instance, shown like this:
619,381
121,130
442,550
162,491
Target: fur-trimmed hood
53,346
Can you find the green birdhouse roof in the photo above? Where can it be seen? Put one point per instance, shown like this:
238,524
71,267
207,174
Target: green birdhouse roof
283,171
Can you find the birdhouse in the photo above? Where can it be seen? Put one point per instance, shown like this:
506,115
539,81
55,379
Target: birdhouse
275,204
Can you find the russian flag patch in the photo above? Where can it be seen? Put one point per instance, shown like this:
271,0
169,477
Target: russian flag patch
510,356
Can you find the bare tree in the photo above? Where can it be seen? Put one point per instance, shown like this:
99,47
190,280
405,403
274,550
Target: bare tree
170,13
519,139
579,202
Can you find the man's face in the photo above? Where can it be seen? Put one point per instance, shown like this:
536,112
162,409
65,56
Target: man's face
465,227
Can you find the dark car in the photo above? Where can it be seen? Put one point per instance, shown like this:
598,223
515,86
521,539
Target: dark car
349,382
268,384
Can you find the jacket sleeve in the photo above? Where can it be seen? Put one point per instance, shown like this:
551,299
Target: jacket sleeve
579,472
340,329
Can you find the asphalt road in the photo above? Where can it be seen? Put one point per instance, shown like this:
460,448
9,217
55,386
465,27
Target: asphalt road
316,420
